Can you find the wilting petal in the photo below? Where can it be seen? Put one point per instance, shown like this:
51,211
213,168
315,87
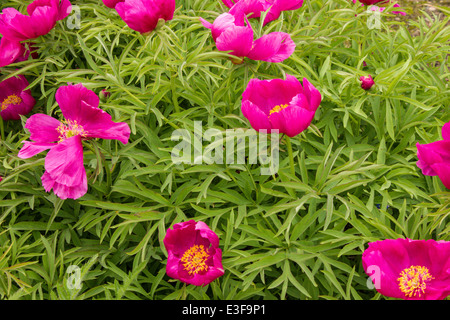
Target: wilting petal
272,47
65,171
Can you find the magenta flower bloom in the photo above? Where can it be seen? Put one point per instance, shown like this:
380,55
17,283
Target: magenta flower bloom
11,52
194,256
111,3
231,34
14,99
409,269
283,105
143,15
64,170
256,7
434,158
366,82
42,17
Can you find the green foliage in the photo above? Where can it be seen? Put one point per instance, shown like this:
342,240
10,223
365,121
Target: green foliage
287,236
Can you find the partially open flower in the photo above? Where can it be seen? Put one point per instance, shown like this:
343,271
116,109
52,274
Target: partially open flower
144,15
257,7
409,269
283,105
42,17
14,99
11,51
232,34
366,82
194,256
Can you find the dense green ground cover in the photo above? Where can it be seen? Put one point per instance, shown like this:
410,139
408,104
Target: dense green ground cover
292,235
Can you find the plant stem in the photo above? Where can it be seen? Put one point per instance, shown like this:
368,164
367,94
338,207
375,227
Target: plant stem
2,129
290,153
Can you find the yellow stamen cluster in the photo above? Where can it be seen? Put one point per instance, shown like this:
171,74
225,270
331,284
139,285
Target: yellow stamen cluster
412,280
277,108
194,259
11,100
70,129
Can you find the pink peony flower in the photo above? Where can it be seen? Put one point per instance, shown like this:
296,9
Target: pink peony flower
231,34
434,158
283,105
111,3
42,17
409,269
14,99
11,52
256,7
366,82
64,170
194,256
143,15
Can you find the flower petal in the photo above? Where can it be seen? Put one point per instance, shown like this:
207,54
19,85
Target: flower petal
442,170
64,168
43,128
111,3
10,25
313,95
267,94
236,39
446,131
31,149
272,47
257,118
70,99
10,51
